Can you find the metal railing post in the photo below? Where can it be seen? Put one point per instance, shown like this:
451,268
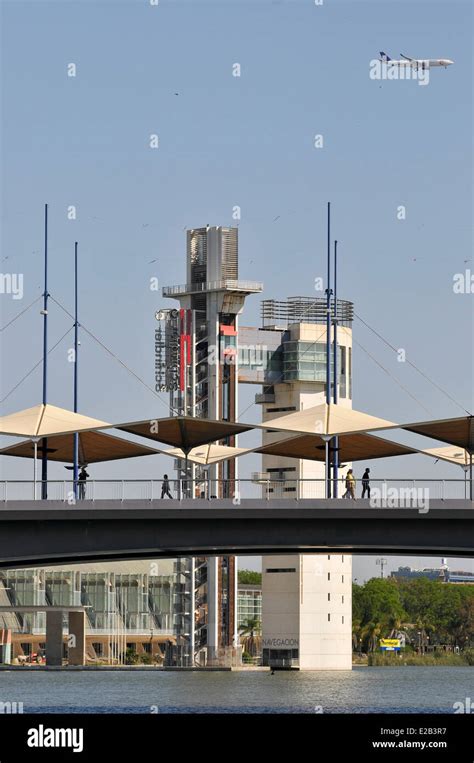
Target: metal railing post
123,489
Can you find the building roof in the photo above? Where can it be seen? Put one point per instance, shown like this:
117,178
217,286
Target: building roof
128,567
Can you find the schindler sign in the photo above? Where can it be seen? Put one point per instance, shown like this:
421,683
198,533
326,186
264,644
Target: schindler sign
172,349
272,643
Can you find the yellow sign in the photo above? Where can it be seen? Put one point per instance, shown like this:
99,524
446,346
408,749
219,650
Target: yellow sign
387,642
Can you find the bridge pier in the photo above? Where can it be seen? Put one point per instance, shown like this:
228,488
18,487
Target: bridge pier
77,628
54,637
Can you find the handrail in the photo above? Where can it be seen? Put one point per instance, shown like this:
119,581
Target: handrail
262,487
226,283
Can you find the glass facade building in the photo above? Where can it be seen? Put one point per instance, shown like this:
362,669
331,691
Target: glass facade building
149,606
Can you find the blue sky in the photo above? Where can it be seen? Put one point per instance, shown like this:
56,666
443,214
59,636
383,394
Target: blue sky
246,141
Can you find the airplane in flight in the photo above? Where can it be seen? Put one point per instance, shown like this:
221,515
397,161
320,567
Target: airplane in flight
415,63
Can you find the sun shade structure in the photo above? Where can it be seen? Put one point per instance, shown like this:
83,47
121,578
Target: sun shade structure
327,419
45,420
453,455
459,431
184,432
94,447
352,447
209,454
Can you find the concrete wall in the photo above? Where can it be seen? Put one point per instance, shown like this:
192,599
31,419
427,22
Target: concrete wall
313,606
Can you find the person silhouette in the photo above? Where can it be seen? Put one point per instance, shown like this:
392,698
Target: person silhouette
165,487
83,475
366,483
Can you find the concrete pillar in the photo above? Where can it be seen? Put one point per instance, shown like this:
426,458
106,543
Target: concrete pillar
54,637
212,607
77,644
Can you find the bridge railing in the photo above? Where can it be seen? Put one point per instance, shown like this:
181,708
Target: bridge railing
382,491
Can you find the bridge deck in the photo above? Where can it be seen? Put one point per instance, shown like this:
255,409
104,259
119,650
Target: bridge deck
35,533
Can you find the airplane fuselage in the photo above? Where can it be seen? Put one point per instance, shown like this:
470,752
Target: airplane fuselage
418,63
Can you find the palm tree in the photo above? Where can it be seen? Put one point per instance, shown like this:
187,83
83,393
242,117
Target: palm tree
250,632
370,634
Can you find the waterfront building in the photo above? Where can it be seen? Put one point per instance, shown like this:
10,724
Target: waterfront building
135,605
307,607
197,362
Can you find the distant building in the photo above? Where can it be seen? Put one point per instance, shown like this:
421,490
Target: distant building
442,574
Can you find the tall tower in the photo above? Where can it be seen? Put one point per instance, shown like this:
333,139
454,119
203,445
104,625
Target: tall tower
210,302
306,599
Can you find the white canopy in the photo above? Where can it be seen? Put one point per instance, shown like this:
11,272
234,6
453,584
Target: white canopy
450,453
43,420
327,419
208,454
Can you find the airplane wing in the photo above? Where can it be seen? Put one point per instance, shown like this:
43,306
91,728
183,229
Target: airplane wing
407,58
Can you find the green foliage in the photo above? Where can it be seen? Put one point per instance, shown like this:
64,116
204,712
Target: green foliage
429,611
469,655
393,659
250,627
249,577
131,657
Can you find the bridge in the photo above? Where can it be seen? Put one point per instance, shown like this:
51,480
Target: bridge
35,533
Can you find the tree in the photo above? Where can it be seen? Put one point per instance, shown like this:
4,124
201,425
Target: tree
249,577
250,632
378,610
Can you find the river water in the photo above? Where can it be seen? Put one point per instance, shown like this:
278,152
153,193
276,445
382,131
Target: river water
362,690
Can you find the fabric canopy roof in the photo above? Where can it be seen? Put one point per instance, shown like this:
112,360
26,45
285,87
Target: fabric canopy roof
93,448
352,447
327,419
209,454
44,420
451,454
459,431
184,432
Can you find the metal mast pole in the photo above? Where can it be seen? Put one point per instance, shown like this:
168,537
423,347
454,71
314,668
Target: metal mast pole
328,346
76,362
470,476
44,457
336,439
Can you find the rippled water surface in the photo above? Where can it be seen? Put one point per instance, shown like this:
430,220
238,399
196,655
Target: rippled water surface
362,690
